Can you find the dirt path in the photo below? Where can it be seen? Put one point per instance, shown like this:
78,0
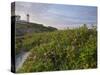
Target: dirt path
20,58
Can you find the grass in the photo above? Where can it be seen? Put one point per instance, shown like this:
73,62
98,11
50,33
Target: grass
60,50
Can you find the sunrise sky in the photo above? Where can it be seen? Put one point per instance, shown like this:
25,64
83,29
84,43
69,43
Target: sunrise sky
57,15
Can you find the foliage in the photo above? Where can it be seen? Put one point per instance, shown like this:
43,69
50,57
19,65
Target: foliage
61,50
23,27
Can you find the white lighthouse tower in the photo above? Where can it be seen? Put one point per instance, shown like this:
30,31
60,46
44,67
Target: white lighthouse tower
28,18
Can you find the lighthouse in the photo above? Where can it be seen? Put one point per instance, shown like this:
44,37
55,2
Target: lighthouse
28,18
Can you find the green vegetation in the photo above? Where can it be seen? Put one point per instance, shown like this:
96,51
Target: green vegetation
60,50
23,28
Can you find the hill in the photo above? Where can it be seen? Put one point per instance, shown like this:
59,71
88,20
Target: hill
25,27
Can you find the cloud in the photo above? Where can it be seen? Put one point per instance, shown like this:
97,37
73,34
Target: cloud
57,15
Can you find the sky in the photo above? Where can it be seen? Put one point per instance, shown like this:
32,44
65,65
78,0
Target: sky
57,15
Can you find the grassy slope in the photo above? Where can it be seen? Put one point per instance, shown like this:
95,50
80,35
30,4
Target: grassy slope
24,28
61,50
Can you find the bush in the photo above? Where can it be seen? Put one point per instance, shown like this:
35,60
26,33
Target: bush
61,50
